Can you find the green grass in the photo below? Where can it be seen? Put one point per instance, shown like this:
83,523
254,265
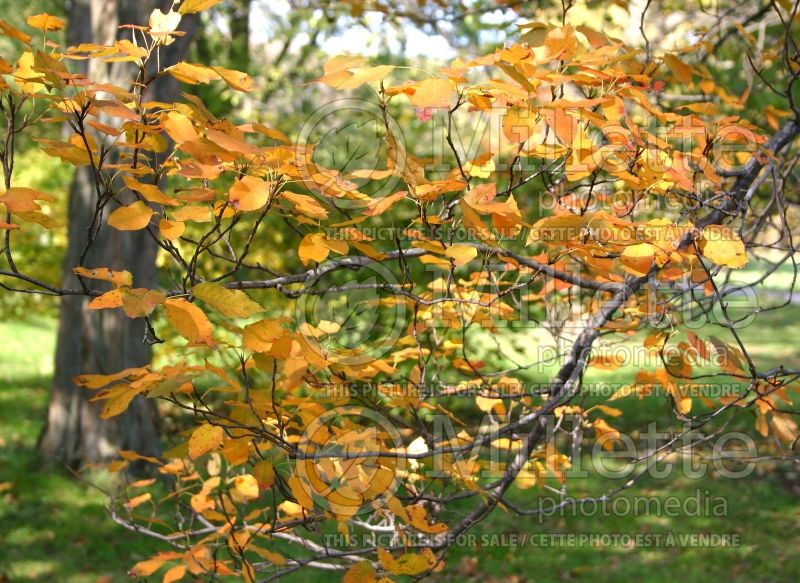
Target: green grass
54,528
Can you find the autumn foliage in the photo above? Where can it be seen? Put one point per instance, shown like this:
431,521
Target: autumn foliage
352,391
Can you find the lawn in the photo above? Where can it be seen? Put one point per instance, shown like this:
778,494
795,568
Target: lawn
54,528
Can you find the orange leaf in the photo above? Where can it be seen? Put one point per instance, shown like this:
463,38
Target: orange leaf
306,205
250,193
133,217
189,320
110,299
312,248
784,427
247,486
681,70
45,21
12,32
150,566
19,200
171,230
174,574
118,278
378,206
638,259
461,253
137,501
179,127
204,439
118,404
235,79
300,493
191,6
261,335
362,572
192,74
150,192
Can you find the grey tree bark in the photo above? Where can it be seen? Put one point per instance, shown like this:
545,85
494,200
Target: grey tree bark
104,341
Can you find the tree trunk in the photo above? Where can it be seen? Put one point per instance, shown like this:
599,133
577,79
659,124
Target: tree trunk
239,22
103,341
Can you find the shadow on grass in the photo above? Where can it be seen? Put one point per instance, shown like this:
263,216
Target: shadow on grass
53,528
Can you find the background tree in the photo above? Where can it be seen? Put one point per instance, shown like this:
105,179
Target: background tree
102,342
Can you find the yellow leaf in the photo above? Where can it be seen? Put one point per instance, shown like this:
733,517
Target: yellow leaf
433,93
189,320
12,32
191,6
150,192
480,169
45,21
20,200
192,74
473,222
638,259
247,486
201,501
378,206
250,193
204,439
523,126
140,302
363,75
137,501
306,205
336,69
362,572
229,303
605,433
110,299
487,404
419,520
681,70
179,127
261,335
132,217
171,230
301,493
784,427
724,247
235,79
96,381
118,278
557,228
271,133
174,574
119,403
461,253
26,76
196,213
149,566
272,557
313,248
408,563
